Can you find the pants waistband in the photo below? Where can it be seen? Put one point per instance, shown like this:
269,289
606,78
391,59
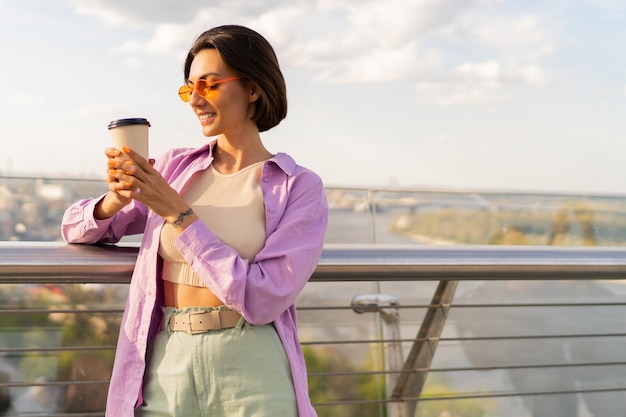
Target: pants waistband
203,321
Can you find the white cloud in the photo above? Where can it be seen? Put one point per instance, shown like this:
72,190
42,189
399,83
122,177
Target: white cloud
279,25
484,83
396,22
374,35
532,75
426,42
381,65
487,70
420,41
138,13
129,47
147,13
494,73
108,16
134,63
479,83
99,109
455,93
528,37
167,39
26,99
174,38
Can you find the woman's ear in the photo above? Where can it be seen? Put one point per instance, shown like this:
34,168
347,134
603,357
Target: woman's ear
254,93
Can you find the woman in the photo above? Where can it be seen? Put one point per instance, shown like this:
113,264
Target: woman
231,232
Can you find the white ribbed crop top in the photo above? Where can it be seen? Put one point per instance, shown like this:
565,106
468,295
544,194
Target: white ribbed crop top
232,208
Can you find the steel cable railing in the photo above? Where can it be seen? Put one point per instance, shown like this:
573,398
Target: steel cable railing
34,266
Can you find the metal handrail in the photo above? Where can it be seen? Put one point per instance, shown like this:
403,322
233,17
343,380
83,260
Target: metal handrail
59,263
48,262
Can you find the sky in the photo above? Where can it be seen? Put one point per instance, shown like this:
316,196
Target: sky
438,94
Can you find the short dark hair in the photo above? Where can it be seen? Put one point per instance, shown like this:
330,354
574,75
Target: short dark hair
251,56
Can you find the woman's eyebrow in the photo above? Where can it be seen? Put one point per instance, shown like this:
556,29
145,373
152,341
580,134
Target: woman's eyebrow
205,76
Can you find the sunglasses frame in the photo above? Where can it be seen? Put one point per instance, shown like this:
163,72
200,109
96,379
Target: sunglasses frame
185,91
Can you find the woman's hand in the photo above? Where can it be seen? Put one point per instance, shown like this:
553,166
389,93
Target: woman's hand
119,195
116,163
132,177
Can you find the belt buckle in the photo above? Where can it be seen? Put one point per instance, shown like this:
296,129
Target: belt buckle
190,330
210,321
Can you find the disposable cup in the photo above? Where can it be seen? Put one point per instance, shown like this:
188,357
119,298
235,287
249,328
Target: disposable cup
132,133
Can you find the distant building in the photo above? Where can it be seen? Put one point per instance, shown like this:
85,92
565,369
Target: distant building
51,192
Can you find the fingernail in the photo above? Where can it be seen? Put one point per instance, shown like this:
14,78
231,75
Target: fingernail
126,149
129,162
112,171
127,184
112,163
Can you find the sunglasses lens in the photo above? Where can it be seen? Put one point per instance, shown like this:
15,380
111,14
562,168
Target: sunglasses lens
185,93
202,88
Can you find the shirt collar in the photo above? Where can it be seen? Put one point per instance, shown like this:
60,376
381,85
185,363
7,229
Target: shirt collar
283,161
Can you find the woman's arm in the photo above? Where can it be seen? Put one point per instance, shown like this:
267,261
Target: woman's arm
97,220
80,225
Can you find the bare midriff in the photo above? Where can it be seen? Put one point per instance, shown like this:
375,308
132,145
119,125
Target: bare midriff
182,295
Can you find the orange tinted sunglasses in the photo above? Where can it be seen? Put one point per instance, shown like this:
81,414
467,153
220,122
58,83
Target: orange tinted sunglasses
203,88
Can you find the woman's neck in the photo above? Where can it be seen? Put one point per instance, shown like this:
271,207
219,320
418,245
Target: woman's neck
231,156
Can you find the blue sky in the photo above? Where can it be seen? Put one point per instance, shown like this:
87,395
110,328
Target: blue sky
453,94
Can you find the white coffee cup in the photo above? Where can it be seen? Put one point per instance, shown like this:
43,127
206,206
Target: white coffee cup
132,133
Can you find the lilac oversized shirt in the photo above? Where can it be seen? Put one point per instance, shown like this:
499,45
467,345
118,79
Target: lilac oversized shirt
263,291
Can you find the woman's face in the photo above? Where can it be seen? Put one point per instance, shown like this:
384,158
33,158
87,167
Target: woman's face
226,109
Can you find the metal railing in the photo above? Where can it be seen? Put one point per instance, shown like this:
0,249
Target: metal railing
507,327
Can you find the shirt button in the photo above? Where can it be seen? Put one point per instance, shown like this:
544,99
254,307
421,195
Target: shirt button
266,179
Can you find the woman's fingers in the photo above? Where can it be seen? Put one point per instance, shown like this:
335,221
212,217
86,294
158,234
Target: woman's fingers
120,171
133,176
112,152
138,159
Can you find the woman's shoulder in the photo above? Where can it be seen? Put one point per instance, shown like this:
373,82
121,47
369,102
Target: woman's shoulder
298,172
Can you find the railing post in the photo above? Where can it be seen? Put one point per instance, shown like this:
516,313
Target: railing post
415,370
391,318
371,208
386,306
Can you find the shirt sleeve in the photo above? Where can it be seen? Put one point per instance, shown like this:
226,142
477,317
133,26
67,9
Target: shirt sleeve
265,288
80,226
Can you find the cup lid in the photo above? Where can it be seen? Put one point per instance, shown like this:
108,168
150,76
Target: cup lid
127,122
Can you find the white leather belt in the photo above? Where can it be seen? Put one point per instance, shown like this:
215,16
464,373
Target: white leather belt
194,323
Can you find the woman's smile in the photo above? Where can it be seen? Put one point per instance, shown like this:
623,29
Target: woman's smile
206,118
